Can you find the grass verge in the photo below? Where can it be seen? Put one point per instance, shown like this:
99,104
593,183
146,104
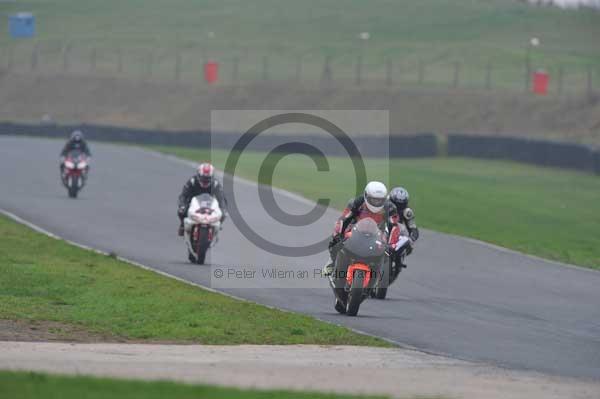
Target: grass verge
437,33
547,212
35,385
61,283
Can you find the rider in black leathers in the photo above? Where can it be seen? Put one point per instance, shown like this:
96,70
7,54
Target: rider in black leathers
204,182
399,197
75,142
406,216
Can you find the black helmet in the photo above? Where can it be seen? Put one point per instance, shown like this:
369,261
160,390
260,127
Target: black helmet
399,197
77,136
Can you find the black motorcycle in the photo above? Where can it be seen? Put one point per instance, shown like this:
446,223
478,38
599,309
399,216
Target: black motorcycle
358,267
392,266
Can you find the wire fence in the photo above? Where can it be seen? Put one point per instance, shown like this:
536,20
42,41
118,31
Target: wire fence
186,64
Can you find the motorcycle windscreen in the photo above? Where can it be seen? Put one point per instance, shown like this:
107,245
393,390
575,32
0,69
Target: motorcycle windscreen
367,242
204,201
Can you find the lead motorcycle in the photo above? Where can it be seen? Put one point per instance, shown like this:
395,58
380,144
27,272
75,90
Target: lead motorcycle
358,267
202,226
74,172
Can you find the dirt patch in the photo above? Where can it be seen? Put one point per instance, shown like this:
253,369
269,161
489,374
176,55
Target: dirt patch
394,372
52,331
167,105
25,330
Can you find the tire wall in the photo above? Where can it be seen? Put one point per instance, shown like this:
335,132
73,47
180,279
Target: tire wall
537,152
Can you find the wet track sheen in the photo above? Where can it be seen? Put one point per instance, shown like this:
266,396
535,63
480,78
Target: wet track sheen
458,297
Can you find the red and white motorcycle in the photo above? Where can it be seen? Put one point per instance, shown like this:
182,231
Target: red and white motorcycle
74,172
202,226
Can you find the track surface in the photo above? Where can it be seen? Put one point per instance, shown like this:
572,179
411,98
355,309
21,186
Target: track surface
458,297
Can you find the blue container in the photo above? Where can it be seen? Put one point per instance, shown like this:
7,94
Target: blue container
21,25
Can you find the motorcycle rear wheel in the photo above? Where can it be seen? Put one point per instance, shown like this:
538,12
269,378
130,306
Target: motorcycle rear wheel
191,257
380,293
339,306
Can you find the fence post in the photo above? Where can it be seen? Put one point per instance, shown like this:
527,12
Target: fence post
93,59
66,50
34,57
527,73
177,65
359,70
150,62
299,68
265,68
456,81
561,73
389,70
327,75
119,60
421,77
590,82
9,62
488,76
235,73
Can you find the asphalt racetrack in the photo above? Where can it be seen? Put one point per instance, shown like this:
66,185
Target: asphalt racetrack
458,297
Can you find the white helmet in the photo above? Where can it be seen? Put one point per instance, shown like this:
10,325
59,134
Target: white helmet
375,196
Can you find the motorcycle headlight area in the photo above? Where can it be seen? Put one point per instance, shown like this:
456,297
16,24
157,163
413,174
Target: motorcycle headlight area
204,218
82,165
69,164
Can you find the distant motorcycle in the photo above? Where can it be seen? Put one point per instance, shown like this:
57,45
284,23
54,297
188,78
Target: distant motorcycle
74,172
202,226
358,266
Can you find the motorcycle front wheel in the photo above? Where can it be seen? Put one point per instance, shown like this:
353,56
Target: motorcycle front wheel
73,187
201,245
355,296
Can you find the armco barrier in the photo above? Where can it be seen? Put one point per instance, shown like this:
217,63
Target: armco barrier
421,145
538,152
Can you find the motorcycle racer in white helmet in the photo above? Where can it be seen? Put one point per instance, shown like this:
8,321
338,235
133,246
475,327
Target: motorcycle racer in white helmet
372,204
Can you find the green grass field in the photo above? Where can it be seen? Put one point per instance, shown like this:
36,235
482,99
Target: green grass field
20,385
547,212
437,33
62,283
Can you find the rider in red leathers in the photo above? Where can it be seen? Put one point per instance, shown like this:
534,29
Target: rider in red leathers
372,204
76,142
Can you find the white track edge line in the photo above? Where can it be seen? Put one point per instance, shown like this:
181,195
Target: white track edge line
41,230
